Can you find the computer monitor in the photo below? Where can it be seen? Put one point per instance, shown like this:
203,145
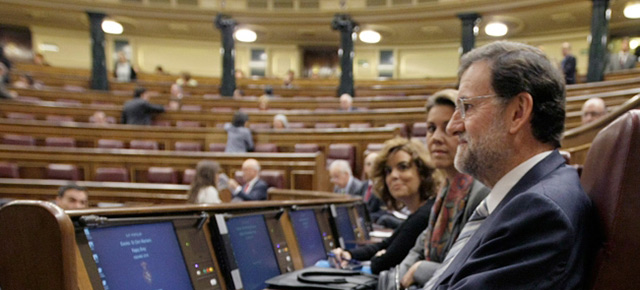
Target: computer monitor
309,236
344,226
139,256
248,249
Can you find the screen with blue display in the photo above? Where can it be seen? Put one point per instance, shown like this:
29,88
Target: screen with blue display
253,250
309,237
345,228
144,256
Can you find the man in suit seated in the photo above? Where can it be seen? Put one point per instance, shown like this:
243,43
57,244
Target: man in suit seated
593,109
254,187
533,229
346,103
72,196
139,111
342,178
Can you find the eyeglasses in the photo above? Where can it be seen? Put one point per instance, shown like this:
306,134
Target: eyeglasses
463,105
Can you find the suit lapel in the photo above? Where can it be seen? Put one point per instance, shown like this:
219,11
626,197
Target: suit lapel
532,177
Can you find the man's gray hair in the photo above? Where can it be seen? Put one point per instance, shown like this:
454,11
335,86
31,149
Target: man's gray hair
341,165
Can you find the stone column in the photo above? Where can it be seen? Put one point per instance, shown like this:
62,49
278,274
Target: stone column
599,38
99,80
346,26
226,25
469,21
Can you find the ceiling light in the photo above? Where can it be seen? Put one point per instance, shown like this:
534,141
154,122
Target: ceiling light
48,47
632,11
246,35
112,27
370,36
496,29
633,44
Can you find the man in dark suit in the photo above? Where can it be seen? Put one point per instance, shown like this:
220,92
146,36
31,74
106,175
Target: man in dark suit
139,111
346,103
374,204
533,229
568,64
254,187
342,178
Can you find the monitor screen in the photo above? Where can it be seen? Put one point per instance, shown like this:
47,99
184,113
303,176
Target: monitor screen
143,256
309,236
345,228
253,250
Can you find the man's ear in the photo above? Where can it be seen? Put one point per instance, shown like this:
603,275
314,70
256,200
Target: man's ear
521,110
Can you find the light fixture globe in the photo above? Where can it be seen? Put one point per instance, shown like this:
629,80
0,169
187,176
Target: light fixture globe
632,10
245,35
496,29
112,27
370,36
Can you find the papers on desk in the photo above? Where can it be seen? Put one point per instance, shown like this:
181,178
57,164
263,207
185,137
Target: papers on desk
380,234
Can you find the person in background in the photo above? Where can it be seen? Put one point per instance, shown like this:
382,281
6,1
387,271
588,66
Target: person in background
174,104
25,81
593,109
123,71
4,74
288,79
139,111
263,103
254,188
238,94
374,204
568,64
186,80
346,102
622,60
99,117
4,93
458,197
342,178
280,122
38,59
402,176
72,196
160,71
239,138
203,188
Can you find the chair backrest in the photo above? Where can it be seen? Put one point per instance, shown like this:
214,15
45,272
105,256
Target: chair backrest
342,151
162,175
254,126
112,174
58,118
419,129
266,147
63,171
359,125
191,108
188,176
273,178
306,148
110,144
296,125
60,142
188,146
11,139
144,144
610,178
187,124
20,116
161,123
402,126
217,147
9,170
326,125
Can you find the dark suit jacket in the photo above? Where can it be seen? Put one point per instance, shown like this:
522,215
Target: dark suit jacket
355,188
538,237
374,204
569,69
139,112
257,192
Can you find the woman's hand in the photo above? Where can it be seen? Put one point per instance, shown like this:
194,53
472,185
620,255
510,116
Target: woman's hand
342,257
407,279
380,253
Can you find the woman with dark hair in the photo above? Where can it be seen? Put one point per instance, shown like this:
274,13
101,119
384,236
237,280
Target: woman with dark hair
402,177
203,188
454,204
239,138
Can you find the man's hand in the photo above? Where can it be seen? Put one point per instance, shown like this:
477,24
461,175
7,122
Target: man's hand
407,279
233,184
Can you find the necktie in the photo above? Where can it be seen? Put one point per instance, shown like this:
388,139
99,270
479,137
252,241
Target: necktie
367,196
245,188
469,228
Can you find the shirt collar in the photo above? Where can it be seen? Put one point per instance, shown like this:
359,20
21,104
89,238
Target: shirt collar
504,185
